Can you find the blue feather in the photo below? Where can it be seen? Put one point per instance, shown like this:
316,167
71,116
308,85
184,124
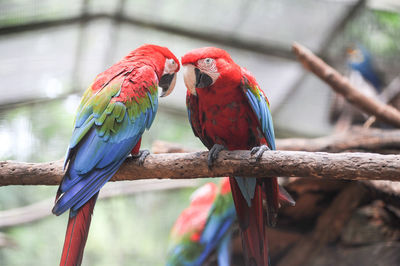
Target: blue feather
97,158
247,187
224,254
366,68
261,109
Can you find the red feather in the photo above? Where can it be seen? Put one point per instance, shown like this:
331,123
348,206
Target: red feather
136,149
221,114
252,225
77,233
134,74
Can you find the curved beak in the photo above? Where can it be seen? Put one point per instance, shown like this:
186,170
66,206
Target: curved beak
195,78
202,79
167,83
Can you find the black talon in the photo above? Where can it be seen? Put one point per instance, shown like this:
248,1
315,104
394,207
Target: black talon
141,156
213,154
259,151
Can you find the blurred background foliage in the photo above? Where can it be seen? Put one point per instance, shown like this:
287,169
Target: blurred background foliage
51,50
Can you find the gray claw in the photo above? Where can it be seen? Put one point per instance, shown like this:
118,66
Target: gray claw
213,154
259,151
141,156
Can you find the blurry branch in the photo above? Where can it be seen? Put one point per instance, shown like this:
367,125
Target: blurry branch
220,38
341,85
391,91
352,166
42,209
323,49
340,211
386,96
5,241
356,139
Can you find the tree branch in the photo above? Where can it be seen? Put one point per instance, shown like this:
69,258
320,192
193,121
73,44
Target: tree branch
357,138
352,166
39,210
340,84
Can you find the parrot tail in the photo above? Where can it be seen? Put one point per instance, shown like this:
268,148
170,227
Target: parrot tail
77,233
252,224
272,195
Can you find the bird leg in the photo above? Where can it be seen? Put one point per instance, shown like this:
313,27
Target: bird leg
141,156
213,154
259,151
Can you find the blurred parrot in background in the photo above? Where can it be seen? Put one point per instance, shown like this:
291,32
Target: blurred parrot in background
204,227
365,77
228,110
360,62
112,116
207,226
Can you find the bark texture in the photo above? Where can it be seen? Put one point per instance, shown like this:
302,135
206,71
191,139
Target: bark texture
351,166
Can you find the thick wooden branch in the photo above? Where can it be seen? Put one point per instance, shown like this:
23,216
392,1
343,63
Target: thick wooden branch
352,166
341,84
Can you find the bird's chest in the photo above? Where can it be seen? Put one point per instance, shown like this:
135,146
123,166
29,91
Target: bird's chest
228,120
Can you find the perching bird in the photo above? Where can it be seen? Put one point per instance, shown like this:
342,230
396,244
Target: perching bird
360,61
228,110
204,227
112,116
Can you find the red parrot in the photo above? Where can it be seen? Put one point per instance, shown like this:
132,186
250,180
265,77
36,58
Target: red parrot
204,228
228,110
207,227
112,116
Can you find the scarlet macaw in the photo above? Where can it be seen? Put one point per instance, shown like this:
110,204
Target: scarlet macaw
204,227
112,116
228,110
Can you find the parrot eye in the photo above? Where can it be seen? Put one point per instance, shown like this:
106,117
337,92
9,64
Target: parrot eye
208,61
207,64
170,66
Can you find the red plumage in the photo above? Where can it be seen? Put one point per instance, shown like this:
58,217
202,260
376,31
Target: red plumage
220,113
114,112
77,233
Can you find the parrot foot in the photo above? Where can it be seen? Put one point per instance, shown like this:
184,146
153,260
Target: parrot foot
213,154
141,156
259,151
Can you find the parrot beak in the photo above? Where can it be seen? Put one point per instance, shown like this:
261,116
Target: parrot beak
189,78
167,83
195,78
202,79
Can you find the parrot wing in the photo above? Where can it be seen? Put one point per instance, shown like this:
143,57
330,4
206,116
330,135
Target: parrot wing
204,227
111,118
218,229
260,106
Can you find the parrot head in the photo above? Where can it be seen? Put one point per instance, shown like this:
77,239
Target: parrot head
357,55
204,67
163,60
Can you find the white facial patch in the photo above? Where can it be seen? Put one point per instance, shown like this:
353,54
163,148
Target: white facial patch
170,66
209,66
